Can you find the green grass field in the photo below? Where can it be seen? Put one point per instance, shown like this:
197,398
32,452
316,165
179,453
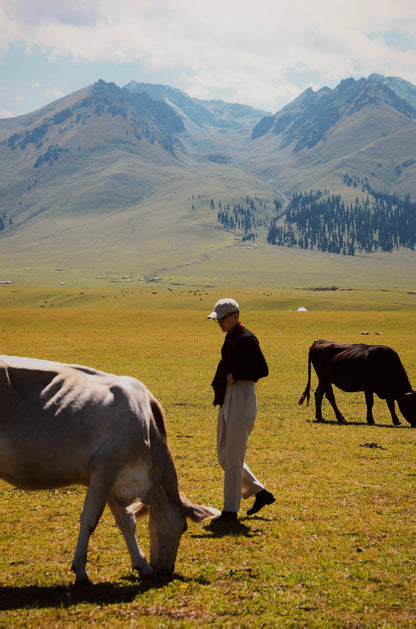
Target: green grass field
336,549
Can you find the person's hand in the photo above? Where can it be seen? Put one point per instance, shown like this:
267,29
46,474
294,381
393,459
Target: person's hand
230,379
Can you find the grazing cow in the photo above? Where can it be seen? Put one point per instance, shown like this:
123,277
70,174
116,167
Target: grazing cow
67,424
358,367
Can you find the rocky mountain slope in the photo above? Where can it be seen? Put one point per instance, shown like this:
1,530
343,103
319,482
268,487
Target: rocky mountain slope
363,128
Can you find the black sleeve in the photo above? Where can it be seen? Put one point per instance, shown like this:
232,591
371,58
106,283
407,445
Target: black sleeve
248,361
219,384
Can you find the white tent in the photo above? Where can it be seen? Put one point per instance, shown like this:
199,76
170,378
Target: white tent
302,309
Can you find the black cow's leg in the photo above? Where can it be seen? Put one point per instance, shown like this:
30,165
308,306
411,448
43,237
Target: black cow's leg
390,404
329,393
331,398
369,400
319,393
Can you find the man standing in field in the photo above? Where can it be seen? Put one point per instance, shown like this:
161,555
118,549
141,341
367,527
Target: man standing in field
242,364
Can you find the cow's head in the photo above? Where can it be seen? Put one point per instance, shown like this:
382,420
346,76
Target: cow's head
407,405
167,523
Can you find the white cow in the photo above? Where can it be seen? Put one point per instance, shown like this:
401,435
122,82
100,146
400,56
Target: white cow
68,424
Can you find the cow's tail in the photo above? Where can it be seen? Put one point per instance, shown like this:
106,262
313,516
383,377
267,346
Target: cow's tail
307,392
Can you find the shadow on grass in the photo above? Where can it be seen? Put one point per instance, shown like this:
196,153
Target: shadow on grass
351,422
108,593
230,529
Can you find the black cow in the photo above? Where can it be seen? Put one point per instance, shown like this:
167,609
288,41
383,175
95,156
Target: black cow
358,367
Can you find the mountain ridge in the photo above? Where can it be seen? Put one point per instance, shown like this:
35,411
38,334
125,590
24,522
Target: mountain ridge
360,127
321,110
214,113
148,164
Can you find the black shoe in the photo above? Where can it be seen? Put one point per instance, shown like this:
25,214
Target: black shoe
225,518
263,498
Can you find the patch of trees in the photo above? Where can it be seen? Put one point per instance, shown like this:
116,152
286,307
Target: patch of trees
200,200
244,216
236,217
377,222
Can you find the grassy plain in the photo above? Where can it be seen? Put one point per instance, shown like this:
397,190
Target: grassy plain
222,263
338,547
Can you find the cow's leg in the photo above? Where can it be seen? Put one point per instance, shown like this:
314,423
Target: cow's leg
319,393
94,504
331,399
369,400
126,522
390,404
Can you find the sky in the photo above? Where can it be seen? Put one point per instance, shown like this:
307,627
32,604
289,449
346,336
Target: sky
262,53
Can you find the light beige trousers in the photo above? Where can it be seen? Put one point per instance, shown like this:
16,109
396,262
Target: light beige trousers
234,424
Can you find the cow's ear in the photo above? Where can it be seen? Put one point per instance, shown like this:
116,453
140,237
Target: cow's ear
138,509
198,513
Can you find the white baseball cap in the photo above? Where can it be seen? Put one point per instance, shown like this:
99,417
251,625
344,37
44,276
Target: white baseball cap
224,307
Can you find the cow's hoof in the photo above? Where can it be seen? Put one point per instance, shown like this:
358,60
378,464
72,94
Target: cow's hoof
319,419
145,572
83,583
342,420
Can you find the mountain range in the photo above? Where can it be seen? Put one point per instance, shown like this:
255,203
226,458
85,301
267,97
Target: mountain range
147,177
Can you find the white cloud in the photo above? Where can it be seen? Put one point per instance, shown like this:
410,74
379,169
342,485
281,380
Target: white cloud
52,92
79,12
262,53
7,113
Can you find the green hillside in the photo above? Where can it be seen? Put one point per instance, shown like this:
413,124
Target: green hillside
111,183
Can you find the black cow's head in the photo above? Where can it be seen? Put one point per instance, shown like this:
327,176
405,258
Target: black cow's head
407,405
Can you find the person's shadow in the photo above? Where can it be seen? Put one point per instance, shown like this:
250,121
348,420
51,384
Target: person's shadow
235,528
